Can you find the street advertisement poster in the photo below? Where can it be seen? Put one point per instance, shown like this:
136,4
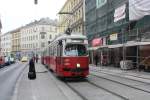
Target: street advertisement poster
120,13
113,36
138,9
104,41
100,3
97,42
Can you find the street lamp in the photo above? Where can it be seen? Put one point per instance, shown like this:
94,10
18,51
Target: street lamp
35,2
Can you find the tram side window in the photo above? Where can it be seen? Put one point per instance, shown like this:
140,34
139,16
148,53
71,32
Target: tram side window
52,51
49,51
55,51
59,50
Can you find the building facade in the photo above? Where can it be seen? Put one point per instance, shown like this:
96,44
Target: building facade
16,48
6,44
113,34
36,35
0,35
72,15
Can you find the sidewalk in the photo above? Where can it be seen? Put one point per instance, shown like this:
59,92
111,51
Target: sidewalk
44,87
132,74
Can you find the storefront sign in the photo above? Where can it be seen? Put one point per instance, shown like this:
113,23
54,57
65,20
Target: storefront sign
113,36
104,41
97,42
100,3
120,13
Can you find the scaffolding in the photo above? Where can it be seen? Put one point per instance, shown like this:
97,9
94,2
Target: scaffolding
133,37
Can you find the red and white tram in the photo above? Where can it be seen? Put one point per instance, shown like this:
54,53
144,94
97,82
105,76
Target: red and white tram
67,56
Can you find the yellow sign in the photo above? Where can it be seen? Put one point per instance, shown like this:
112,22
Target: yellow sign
113,36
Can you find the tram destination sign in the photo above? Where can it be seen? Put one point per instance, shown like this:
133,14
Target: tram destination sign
77,40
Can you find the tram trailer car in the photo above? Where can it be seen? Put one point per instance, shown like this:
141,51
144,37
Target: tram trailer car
67,56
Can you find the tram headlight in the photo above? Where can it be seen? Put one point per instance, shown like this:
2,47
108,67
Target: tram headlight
78,65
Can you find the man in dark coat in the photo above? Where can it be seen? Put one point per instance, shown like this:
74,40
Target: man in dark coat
96,59
31,65
32,72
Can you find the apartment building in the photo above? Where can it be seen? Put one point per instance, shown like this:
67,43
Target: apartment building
0,35
6,44
72,15
37,35
16,39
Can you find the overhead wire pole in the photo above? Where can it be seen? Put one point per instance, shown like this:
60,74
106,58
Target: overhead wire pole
35,3
68,30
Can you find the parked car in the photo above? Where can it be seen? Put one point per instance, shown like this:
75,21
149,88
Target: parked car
12,60
7,60
24,59
2,61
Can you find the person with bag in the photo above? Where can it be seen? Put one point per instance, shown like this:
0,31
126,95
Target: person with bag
32,72
96,59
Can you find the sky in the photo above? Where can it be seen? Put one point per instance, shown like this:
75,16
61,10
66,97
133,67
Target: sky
17,13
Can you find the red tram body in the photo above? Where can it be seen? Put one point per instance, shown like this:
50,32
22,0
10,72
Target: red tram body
67,56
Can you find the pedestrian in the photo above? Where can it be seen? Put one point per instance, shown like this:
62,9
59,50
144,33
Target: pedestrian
96,59
32,72
36,58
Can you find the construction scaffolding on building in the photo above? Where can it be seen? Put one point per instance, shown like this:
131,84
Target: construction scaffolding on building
125,40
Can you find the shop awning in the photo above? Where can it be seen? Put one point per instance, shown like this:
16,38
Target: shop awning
115,46
98,47
93,48
129,44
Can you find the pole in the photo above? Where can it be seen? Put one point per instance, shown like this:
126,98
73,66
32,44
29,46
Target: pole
84,18
137,52
124,48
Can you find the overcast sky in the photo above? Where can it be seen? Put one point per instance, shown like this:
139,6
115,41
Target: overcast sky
16,13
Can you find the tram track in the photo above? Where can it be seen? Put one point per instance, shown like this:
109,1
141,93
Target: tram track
131,86
122,97
78,93
129,92
85,97
90,89
96,86
117,75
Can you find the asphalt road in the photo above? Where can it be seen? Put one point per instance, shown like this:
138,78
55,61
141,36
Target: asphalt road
8,79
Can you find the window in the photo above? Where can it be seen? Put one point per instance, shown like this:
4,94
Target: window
50,36
43,29
42,35
36,36
42,44
75,50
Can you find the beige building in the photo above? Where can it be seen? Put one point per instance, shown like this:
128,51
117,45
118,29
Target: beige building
72,15
0,35
16,35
